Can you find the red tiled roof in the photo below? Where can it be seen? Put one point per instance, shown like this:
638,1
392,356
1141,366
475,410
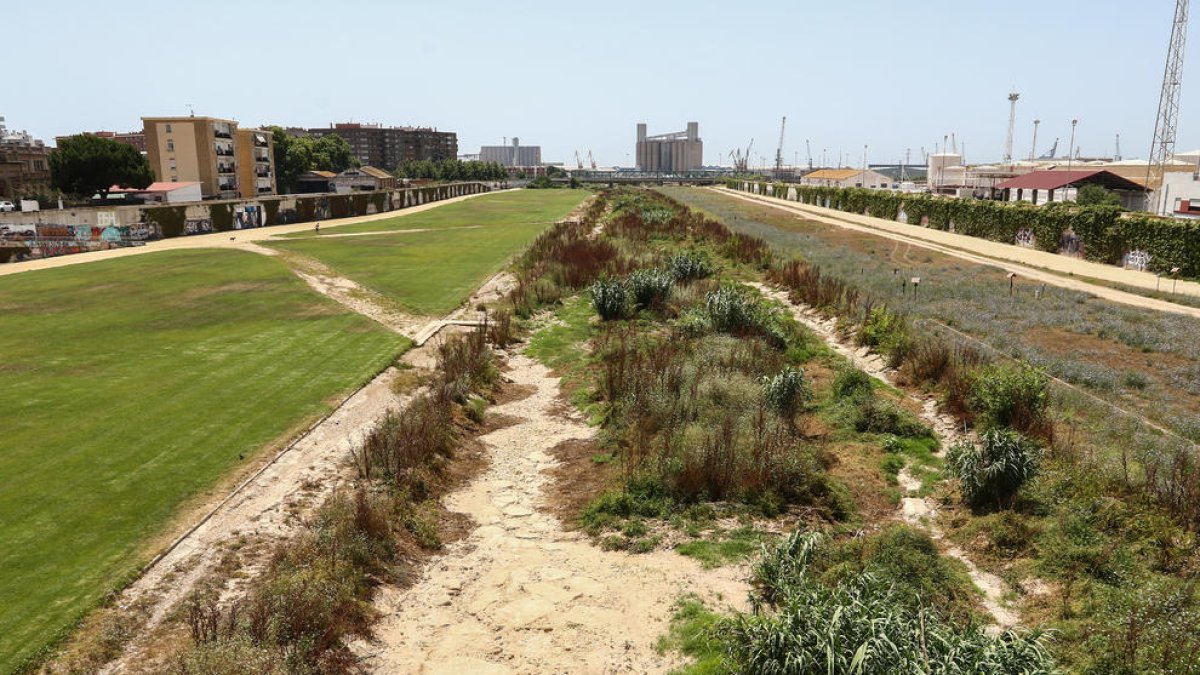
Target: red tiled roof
1053,180
161,186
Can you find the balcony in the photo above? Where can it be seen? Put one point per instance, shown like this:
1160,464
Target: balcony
262,158
222,133
226,168
263,173
223,151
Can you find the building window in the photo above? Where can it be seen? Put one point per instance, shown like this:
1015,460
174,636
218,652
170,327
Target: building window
170,146
168,127
172,165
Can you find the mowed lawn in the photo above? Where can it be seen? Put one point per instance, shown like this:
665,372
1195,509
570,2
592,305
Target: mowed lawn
430,273
129,386
504,208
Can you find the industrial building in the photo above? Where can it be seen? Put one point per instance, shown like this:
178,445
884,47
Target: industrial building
515,155
227,162
670,153
848,178
389,147
1040,187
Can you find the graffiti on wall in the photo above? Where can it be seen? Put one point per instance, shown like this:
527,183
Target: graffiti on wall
1025,238
1136,260
249,216
1070,243
197,226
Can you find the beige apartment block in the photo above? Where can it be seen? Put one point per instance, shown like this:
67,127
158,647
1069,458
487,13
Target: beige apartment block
255,157
227,162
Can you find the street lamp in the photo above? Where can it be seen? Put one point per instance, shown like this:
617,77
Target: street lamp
864,173
1070,157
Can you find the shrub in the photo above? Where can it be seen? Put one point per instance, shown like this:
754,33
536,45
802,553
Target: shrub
1011,396
886,332
693,323
860,623
610,297
650,289
993,473
733,310
852,383
690,266
786,391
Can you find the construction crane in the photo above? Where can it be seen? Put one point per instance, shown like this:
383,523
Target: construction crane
1163,145
779,150
591,160
808,150
578,161
1012,121
1053,151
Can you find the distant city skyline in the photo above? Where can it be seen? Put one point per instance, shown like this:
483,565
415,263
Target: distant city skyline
867,73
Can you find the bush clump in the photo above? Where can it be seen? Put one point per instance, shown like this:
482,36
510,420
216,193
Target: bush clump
610,297
786,391
993,473
1011,396
690,266
650,288
859,623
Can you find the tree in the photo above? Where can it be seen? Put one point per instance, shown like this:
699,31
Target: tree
295,155
1097,195
83,165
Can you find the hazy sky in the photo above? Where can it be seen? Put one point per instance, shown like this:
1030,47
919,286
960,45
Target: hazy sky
576,75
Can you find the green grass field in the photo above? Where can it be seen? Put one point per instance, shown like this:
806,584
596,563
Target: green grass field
129,386
431,272
506,208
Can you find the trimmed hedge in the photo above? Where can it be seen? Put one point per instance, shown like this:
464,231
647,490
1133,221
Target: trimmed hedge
1107,232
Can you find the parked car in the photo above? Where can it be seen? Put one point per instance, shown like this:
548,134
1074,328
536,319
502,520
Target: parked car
7,206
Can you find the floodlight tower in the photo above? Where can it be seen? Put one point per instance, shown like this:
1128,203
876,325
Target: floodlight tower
1012,120
1033,148
1165,125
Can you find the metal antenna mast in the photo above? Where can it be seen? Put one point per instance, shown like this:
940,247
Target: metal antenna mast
779,150
1165,125
1012,120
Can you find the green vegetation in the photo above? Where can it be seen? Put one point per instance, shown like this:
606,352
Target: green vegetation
85,164
430,272
133,385
1097,195
722,548
1106,231
519,207
451,169
1098,544
314,595
295,155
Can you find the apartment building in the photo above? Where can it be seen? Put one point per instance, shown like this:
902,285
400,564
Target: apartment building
389,147
24,164
255,155
206,150
134,138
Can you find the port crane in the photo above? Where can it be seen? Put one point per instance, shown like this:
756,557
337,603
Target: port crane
779,149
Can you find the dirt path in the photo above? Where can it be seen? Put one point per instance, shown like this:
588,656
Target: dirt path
1029,264
240,239
916,511
523,595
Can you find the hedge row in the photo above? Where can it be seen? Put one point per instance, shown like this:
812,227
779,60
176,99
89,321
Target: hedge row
1106,232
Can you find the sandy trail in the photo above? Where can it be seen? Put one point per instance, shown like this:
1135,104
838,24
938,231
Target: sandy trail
523,595
1029,264
916,511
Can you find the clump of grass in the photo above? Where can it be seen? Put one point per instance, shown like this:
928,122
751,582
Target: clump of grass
610,297
862,622
992,473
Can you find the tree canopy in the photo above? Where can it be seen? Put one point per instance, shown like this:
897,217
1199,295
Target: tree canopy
452,169
1096,195
295,155
85,164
